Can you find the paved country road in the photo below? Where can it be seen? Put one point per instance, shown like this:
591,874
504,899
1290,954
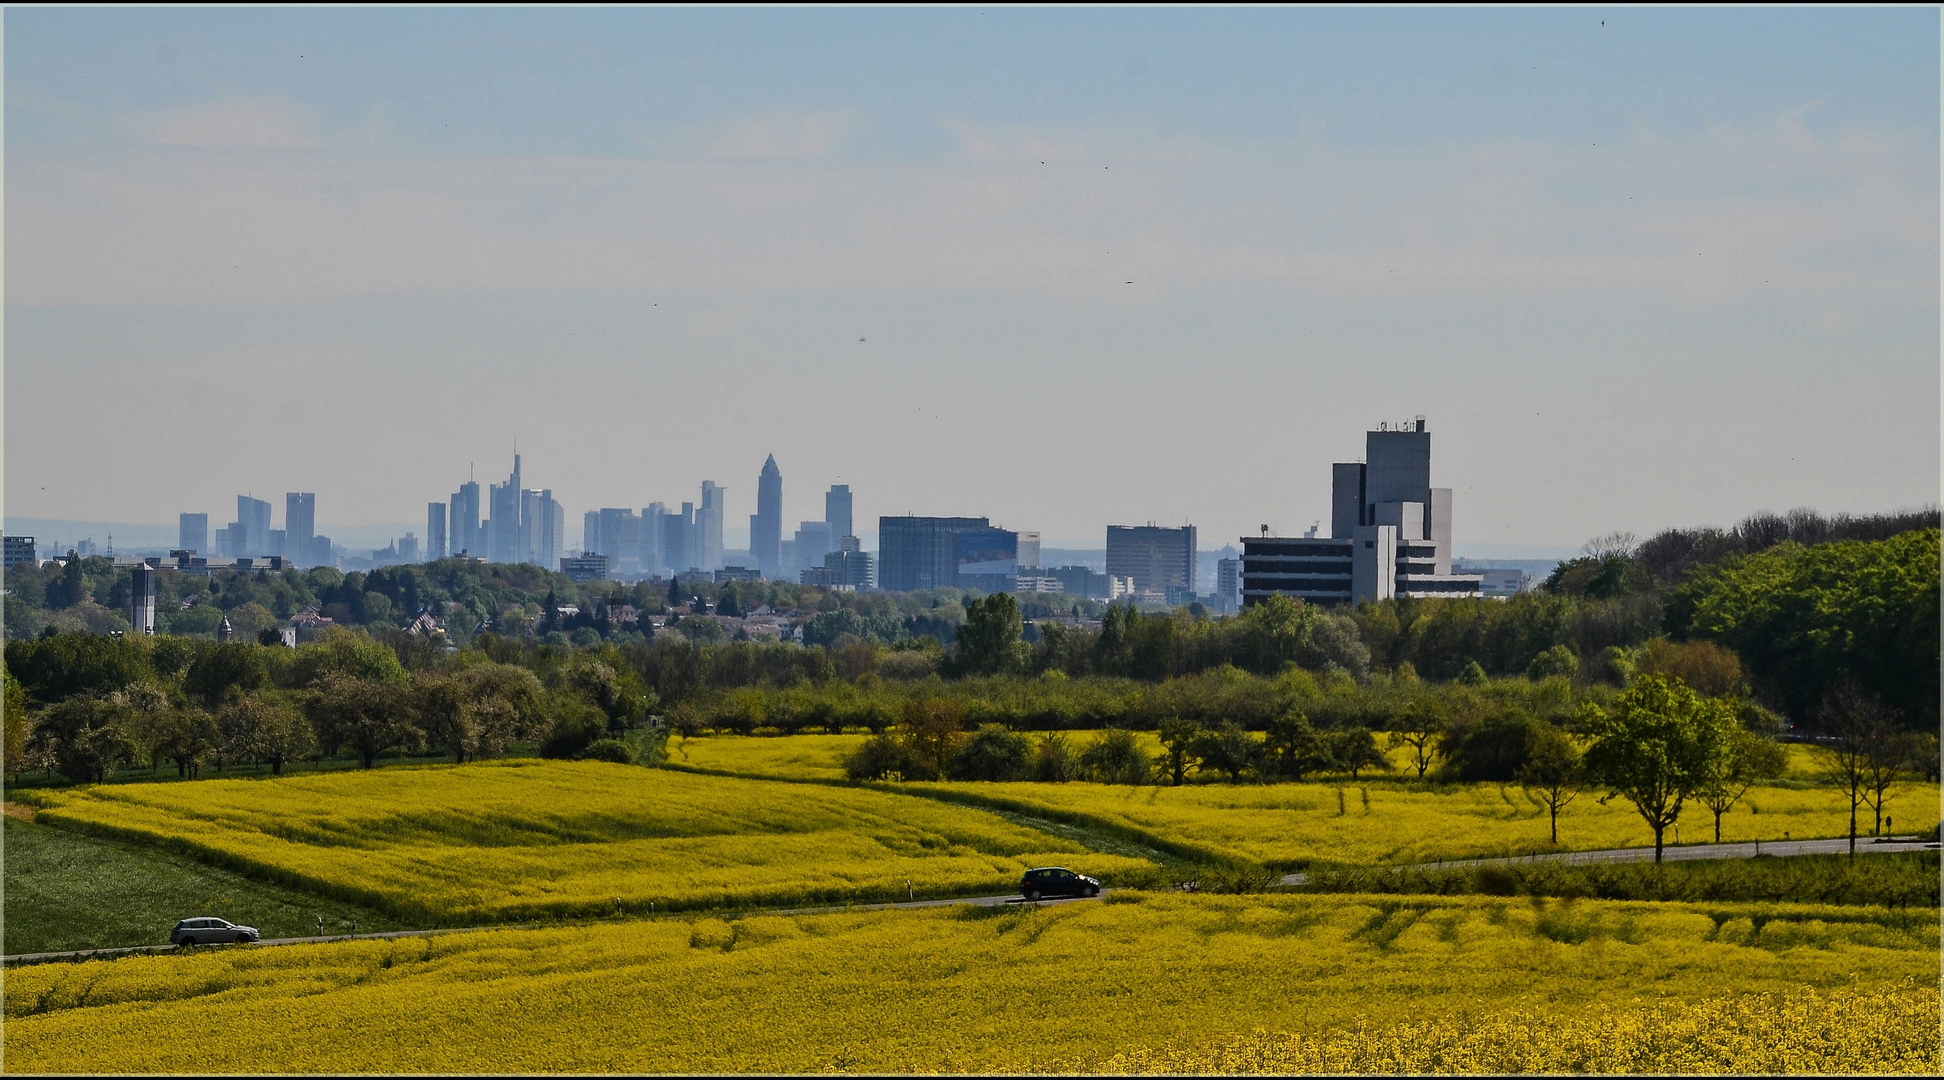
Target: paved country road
1615,855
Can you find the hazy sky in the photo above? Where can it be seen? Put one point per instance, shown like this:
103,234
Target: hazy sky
1064,268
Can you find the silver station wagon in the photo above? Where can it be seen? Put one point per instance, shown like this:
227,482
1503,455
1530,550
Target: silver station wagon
211,931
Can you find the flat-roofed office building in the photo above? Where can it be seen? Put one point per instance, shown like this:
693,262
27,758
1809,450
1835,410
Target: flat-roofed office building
20,552
192,533
945,552
1390,533
1157,558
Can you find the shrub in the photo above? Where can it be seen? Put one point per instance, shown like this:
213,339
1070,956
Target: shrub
613,750
1054,760
1116,758
1560,660
993,753
886,757
576,726
1494,748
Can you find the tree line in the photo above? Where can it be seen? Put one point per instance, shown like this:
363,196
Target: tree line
1802,631
87,707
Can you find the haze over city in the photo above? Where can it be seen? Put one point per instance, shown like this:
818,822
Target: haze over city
1061,268
760,540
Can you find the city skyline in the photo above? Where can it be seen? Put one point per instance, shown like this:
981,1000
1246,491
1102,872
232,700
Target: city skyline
456,525
1662,269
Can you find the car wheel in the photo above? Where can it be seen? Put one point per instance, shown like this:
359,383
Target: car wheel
1032,895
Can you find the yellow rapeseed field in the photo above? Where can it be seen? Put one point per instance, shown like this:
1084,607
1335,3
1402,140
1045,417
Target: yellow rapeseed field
821,757
794,757
514,840
1289,826
1847,1031
1141,982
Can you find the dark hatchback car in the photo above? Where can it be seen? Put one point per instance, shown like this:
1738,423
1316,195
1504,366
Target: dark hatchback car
1056,881
210,932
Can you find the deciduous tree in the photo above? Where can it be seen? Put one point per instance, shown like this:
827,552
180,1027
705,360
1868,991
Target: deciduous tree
370,717
1177,746
1656,748
1227,749
1552,775
1748,760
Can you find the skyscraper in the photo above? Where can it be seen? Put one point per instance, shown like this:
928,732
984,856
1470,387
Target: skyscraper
300,526
766,524
192,533
249,534
613,532
1029,550
837,512
708,520
678,541
435,531
466,534
591,532
809,546
651,537
504,537
541,522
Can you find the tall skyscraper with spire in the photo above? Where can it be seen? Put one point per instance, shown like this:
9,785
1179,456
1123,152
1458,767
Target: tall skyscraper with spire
766,524
503,533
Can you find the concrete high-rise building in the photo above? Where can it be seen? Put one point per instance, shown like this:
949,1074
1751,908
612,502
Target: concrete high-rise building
20,552
435,531
837,511
849,567
1390,533
192,533
766,525
300,527
466,534
1029,550
587,566
141,599
1395,474
708,520
1157,558
1228,586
